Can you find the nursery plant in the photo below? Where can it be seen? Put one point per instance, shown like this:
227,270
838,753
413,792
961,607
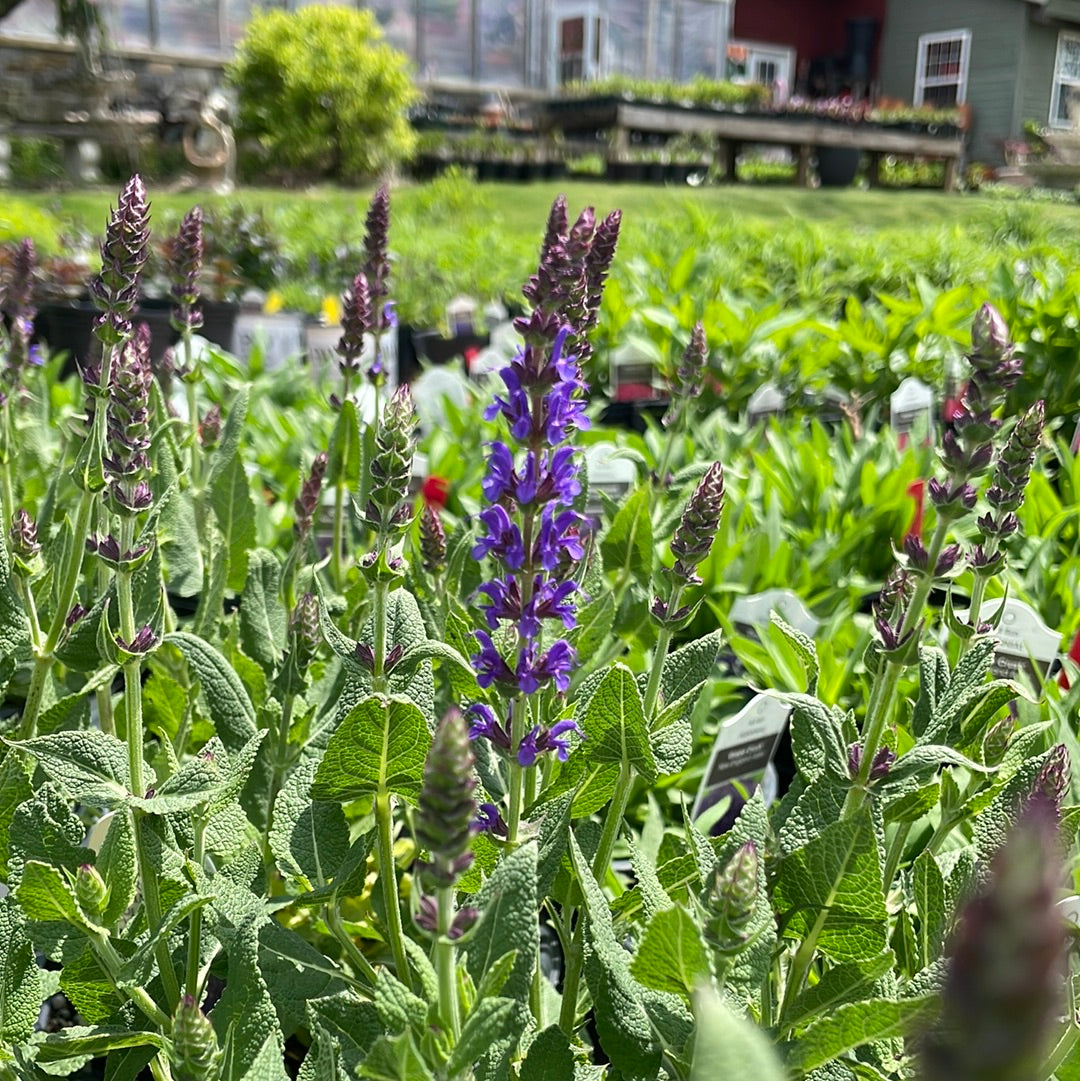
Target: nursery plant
400,798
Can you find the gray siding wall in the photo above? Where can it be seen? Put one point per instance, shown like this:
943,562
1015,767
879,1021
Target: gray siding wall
994,75
1040,52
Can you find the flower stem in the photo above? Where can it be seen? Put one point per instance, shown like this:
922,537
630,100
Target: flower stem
978,592
663,643
446,963
337,928
574,963
337,567
518,722
895,853
379,680
384,842
195,932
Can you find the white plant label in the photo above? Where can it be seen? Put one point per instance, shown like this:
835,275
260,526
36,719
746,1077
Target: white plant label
281,337
911,411
767,401
1025,643
741,753
755,610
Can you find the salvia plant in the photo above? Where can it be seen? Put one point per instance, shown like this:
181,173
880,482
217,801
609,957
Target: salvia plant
409,799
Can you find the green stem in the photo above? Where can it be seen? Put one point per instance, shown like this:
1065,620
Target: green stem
613,822
337,567
663,642
384,841
674,432
133,722
38,677
895,853
337,928
575,961
978,592
112,962
379,679
281,746
446,963
195,459
195,934
804,958
922,589
1060,1053
518,722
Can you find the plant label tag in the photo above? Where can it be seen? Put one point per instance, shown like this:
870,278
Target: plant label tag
741,753
95,836
767,401
1026,645
608,475
753,612
461,316
911,412
281,337
633,375
320,346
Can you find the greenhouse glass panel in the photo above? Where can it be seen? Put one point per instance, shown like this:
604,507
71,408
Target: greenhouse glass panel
445,39
626,36
128,23
237,15
34,18
501,54
662,53
398,21
699,34
188,26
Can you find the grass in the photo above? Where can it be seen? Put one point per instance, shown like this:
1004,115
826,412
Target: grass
453,236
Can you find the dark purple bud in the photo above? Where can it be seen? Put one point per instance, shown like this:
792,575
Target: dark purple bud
916,552
184,255
365,655
73,617
210,428
464,919
356,321
696,530
489,819
432,540
947,560
123,254
143,642
990,334
1053,780
305,632
377,253
393,655
306,503
24,538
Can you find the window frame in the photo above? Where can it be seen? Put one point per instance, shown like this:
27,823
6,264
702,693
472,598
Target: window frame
1057,83
924,82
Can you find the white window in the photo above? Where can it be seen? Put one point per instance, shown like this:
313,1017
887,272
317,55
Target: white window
941,72
1066,90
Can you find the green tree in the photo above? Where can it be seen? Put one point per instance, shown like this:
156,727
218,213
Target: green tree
322,93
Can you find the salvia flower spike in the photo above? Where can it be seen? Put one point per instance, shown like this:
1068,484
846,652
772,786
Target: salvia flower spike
16,303
123,254
1003,992
356,322
126,462
185,259
689,375
730,901
432,540
696,531
194,1043
388,510
447,807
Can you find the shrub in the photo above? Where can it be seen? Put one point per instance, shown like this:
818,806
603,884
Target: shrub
322,94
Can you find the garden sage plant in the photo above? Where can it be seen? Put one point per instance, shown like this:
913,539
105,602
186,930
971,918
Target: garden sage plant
412,801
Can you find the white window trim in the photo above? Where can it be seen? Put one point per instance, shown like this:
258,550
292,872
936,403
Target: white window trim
1058,83
922,82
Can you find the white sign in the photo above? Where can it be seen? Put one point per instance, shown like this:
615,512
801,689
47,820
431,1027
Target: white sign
767,401
911,410
741,754
321,344
461,316
1025,643
755,610
281,337
633,375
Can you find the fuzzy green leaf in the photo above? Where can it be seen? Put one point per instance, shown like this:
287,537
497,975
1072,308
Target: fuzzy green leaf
230,707
46,829
138,968
90,1042
20,978
614,724
89,765
840,984
549,1057
118,864
627,546
245,1019
491,1022
231,434
838,872
854,1025
44,895
234,509
729,1046
262,615
380,746
672,956
15,773
621,1020
931,904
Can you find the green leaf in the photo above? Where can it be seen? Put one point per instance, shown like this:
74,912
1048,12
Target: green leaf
614,724
89,765
351,1020
379,747
138,968
344,452
728,1046
672,956
309,839
234,509
840,984
496,976
430,650
508,904
90,1042
230,708
491,1022
398,1008
854,1025
46,829
20,978
14,626
15,788
549,1057
627,546
244,1018
262,615
118,865
592,783
817,738
689,666
594,622
621,1021
395,1058
838,872
297,973
44,895
231,435
930,903
804,647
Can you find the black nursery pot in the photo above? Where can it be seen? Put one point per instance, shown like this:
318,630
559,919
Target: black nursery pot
837,165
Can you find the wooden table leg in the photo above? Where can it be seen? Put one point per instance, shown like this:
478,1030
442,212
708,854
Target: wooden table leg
952,169
873,169
802,172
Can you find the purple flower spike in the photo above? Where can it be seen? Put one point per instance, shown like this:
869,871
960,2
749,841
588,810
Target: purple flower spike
503,539
489,819
489,664
541,740
554,666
